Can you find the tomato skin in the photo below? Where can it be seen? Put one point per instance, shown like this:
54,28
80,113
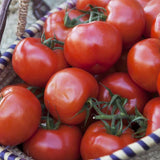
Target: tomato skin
143,3
120,83
20,114
151,112
96,142
35,62
158,84
54,24
144,68
86,40
155,29
83,4
66,93
151,10
59,144
128,17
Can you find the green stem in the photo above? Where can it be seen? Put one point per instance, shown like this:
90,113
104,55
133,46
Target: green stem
110,117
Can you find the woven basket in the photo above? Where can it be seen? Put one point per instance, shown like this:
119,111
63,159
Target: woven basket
147,148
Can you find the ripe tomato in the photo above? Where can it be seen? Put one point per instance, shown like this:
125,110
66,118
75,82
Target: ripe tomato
54,24
151,112
35,63
59,144
120,83
151,10
84,4
20,114
96,142
66,93
143,63
128,17
91,46
155,29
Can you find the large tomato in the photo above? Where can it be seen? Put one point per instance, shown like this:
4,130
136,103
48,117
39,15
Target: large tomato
35,62
151,10
155,29
128,17
96,142
84,4
55,144
143,63
120,83
67,92
20,114
54,24
91,46
151,112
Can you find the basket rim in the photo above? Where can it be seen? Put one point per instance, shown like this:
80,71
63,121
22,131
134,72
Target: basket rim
130,151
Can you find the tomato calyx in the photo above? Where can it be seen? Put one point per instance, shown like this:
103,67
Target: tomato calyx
117,116
50,124
52,43
95,14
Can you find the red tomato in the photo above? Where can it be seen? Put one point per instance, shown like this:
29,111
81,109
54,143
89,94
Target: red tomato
91,46
155,29
20,114
54,24
128,17
35,63
120,83
152,112
66,93
60,144
96,142
84,4
151,10
143,63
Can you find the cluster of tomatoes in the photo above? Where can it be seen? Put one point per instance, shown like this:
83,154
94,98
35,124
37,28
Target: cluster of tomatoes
95,81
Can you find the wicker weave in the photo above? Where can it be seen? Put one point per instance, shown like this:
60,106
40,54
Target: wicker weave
145,149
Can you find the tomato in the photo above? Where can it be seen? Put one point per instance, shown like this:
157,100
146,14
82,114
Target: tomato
84,4
143,63
151,10
20,114
66,93
54,24
96,142
155,29
60,144
91,46
151,112
35,63
120,83
143,3
128,17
